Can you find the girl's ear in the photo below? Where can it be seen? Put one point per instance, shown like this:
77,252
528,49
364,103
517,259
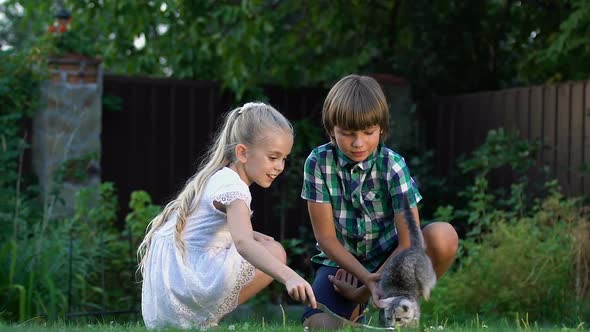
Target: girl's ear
241,153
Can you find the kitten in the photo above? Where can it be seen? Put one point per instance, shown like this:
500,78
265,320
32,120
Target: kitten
405,278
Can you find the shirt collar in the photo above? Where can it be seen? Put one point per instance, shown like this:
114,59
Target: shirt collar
344,161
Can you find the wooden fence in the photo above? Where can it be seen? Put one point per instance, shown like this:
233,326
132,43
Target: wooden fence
155,140
557,114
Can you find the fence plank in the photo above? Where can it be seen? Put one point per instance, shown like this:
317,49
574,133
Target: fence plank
524,110
482,126
510,111
498,177
459,132
537,112
192,118
586,138
452,134
441,144
548,156
563,137
558,115
181,132
496,111
536,124
154,136
577,138
172,136
472,118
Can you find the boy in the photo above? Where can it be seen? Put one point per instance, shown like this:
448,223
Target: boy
354,186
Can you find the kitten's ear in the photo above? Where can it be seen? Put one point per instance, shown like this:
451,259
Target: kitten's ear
385,303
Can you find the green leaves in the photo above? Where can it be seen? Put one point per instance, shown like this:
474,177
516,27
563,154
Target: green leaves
483,206
500,148
524,265
442,47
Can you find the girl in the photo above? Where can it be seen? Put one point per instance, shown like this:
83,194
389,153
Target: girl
200,257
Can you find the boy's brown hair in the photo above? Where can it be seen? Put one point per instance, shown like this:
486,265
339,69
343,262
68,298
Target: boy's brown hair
354,103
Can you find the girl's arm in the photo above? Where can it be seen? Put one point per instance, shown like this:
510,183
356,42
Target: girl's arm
262,237
243,236
322,221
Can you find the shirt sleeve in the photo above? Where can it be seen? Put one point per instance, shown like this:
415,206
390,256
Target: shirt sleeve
400,184
314,187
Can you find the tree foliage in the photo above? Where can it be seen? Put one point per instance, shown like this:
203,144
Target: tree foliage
443,47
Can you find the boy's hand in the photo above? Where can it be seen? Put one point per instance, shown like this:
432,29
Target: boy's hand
346,284
300,290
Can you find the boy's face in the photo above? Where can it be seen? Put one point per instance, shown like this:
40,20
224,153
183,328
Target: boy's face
357,144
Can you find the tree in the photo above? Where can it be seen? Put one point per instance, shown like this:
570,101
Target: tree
566,51
442,46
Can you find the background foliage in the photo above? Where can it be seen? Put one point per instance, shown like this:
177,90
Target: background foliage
518,245
443,47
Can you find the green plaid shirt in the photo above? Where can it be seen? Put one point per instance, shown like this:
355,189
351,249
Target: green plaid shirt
364,198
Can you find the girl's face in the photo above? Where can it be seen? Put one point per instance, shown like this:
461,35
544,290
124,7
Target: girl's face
263,162
357,144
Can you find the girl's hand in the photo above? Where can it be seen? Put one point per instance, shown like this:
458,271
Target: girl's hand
373,284
300,290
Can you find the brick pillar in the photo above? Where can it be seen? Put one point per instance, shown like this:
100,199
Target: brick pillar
66,131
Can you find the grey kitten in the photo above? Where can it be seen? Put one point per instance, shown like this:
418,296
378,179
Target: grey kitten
405,278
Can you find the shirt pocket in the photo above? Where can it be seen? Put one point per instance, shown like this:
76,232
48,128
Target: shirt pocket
375,204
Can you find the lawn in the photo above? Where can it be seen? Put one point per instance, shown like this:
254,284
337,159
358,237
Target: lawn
288,323
254,318
288,327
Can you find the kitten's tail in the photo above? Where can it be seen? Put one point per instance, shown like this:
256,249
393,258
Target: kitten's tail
414,230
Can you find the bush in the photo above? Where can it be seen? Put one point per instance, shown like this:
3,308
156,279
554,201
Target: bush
523,266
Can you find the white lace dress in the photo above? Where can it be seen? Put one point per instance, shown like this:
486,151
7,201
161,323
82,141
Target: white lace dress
197,292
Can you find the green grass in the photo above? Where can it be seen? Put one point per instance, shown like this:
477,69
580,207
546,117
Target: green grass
252,318
292,326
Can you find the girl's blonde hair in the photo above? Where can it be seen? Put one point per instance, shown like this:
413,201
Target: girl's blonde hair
355,103
244,125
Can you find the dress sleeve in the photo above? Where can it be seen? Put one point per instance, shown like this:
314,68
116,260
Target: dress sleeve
231,192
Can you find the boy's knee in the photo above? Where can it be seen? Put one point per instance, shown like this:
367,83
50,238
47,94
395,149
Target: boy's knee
277,250
442,239
322,321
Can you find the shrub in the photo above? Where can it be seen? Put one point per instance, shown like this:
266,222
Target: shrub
525,265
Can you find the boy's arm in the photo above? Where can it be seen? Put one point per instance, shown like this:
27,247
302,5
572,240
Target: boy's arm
362,294
322,221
